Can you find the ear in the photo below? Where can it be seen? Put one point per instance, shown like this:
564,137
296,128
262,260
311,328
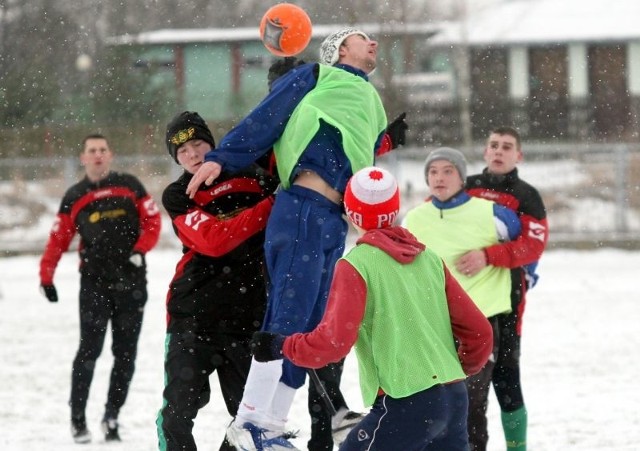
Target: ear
342,51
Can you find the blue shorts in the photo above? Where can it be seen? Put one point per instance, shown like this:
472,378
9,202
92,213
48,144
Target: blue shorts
304,239
433,419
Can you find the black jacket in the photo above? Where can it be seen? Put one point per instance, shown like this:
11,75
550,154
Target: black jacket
219,284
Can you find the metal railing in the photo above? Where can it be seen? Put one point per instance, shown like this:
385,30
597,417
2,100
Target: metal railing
594,197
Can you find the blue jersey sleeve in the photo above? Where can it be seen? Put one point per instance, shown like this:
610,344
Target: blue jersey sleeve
256,134
509,218
530,274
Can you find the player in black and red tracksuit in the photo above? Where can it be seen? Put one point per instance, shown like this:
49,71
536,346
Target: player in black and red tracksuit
217,297
500,182
118,223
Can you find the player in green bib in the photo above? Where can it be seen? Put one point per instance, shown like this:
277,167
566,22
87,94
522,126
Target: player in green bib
452,223
397,303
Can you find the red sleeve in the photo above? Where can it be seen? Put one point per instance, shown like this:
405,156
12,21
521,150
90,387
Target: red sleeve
385,145
470,327
150,224
525,249
60,238
338,331
214,237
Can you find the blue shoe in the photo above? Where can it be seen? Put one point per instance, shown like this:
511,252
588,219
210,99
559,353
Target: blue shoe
279,443
244,438
249,437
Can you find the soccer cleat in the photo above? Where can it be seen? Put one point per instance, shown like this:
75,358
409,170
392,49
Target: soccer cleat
279,442
249,437
79,430
110,429
244,438
342,422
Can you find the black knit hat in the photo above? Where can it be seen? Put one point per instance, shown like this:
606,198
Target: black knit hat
184,127
281,67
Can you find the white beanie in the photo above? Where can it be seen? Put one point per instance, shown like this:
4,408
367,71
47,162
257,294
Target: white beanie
372,198
330,48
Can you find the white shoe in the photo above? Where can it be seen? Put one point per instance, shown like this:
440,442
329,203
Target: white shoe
342,422
249,437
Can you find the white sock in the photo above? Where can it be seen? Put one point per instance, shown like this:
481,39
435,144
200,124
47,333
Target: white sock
281,404
259,392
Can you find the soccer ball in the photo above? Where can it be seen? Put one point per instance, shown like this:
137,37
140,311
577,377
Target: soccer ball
285,29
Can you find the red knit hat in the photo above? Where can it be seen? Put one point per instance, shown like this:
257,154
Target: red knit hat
372,198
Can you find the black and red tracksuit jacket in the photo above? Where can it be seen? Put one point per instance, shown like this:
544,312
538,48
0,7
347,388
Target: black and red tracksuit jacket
219,284
516,194
113,217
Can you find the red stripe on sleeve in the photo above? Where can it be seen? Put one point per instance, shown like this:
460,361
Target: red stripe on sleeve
60,238
214,237
150,224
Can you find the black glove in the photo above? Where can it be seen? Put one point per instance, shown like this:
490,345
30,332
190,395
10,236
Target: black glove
397,131
266,346
136,259
50,292
281,67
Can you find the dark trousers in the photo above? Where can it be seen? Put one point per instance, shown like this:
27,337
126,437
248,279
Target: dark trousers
478,388
189,361
506,374
101,302
433,419
330,375
502,371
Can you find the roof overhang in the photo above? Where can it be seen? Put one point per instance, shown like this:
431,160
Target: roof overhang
245,34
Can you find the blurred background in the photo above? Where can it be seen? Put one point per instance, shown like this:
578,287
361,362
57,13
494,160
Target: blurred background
566,74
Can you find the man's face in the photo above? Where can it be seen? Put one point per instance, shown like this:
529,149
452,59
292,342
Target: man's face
96,157
191,154
502,154
444,180
359,52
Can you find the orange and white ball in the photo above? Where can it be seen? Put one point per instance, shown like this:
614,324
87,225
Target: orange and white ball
285,29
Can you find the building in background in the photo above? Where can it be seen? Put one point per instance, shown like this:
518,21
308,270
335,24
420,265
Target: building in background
222,73
566,71
560,71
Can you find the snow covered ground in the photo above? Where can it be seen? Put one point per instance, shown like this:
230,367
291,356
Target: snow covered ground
579,349
579,367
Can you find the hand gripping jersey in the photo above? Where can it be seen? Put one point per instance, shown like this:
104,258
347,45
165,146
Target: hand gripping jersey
514,193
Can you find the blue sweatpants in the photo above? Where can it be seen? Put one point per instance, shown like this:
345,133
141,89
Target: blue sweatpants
434,419
305,237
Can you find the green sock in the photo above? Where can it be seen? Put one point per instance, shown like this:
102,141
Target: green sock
514,425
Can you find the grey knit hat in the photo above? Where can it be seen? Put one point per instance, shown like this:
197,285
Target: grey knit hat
453,156
330,48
